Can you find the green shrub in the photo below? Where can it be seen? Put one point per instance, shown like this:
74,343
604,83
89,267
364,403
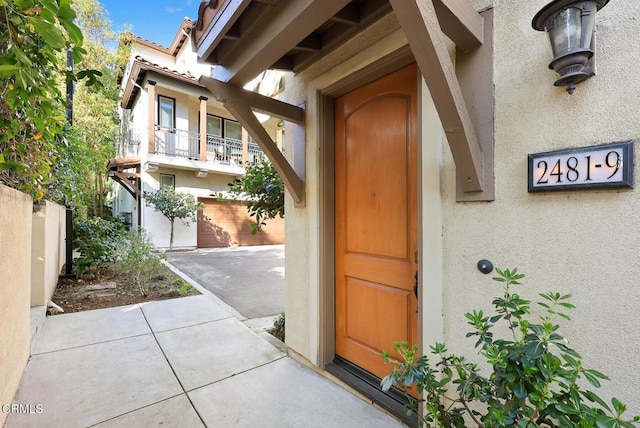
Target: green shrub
136,259
186,288
278,328
97,241
536,379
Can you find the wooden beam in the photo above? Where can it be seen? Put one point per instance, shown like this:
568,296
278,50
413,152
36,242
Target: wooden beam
286,25
311,43
422,29
350,15
225,93
475,74
240,102
216,23
121,178
248,120
460,22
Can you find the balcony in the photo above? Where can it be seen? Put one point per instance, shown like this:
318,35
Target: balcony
181,149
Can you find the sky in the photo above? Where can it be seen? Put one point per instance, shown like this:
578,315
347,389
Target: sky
154,20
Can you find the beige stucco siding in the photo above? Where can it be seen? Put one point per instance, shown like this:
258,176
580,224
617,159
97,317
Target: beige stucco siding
48,251
15,285
584,243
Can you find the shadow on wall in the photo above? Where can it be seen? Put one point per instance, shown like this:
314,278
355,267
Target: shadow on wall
227,223
212,235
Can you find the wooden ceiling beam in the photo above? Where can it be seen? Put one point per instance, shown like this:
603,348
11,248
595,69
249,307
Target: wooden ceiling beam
285,25
350,15
311,43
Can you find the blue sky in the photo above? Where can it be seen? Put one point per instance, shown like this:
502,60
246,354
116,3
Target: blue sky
154,20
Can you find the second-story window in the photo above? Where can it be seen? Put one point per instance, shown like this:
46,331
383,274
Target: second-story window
166,112
214,126
232,130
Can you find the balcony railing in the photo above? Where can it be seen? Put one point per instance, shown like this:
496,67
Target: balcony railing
227,151
255,154
224,150
178,143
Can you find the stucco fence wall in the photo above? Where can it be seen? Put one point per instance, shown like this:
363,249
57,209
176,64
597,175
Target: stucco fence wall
48,251
31,257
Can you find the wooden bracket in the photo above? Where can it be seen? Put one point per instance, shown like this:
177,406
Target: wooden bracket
474,69
241,103
451,98
123,178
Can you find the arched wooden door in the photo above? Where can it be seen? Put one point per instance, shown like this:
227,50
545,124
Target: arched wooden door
376,219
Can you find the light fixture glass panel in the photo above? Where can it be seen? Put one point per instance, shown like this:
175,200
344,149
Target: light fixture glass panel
566,31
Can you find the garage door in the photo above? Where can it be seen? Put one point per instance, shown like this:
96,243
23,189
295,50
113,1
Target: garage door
226,224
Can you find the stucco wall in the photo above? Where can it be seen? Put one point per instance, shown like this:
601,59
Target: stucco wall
185,181
15,284
584,243
47,251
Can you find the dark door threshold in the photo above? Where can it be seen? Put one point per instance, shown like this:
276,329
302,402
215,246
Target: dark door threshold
368,384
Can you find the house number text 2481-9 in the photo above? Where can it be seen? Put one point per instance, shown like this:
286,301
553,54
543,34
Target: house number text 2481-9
607,165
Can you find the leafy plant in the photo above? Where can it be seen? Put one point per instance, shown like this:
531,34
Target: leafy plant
186,288
278,328
97,240
174,205
263,190
536,378
34,35
134,257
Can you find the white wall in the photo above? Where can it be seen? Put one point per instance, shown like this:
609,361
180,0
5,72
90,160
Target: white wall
158,226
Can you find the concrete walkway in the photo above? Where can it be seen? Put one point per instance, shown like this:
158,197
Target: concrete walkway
176,363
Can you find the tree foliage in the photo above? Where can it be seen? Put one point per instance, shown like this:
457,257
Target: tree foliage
174,205
33,34
537,380
263,189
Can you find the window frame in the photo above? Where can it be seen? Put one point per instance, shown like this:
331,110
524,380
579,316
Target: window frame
165,176
173,111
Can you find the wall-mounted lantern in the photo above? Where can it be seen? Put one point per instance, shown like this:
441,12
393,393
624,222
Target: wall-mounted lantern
571,25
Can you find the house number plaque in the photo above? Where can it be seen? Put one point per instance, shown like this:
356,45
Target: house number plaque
595,167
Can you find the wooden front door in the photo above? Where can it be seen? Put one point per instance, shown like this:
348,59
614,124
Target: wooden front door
376,219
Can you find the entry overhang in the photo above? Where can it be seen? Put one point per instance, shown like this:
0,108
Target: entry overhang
464,101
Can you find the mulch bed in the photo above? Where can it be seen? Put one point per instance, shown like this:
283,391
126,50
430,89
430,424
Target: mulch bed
115,289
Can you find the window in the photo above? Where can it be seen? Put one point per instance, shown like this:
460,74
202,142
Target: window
166,112
168,180
214,125
232,130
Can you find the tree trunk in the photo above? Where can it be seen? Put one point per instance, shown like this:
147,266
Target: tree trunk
171,237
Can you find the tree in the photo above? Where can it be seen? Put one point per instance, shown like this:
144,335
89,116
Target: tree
33,36
174,205
80,178
263,189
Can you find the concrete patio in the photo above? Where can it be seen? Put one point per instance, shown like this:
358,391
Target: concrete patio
177,363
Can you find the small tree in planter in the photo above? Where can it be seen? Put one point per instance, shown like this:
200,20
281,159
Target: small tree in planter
536,379
174,205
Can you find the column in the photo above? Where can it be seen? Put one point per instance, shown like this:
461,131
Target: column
203,129
151,115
